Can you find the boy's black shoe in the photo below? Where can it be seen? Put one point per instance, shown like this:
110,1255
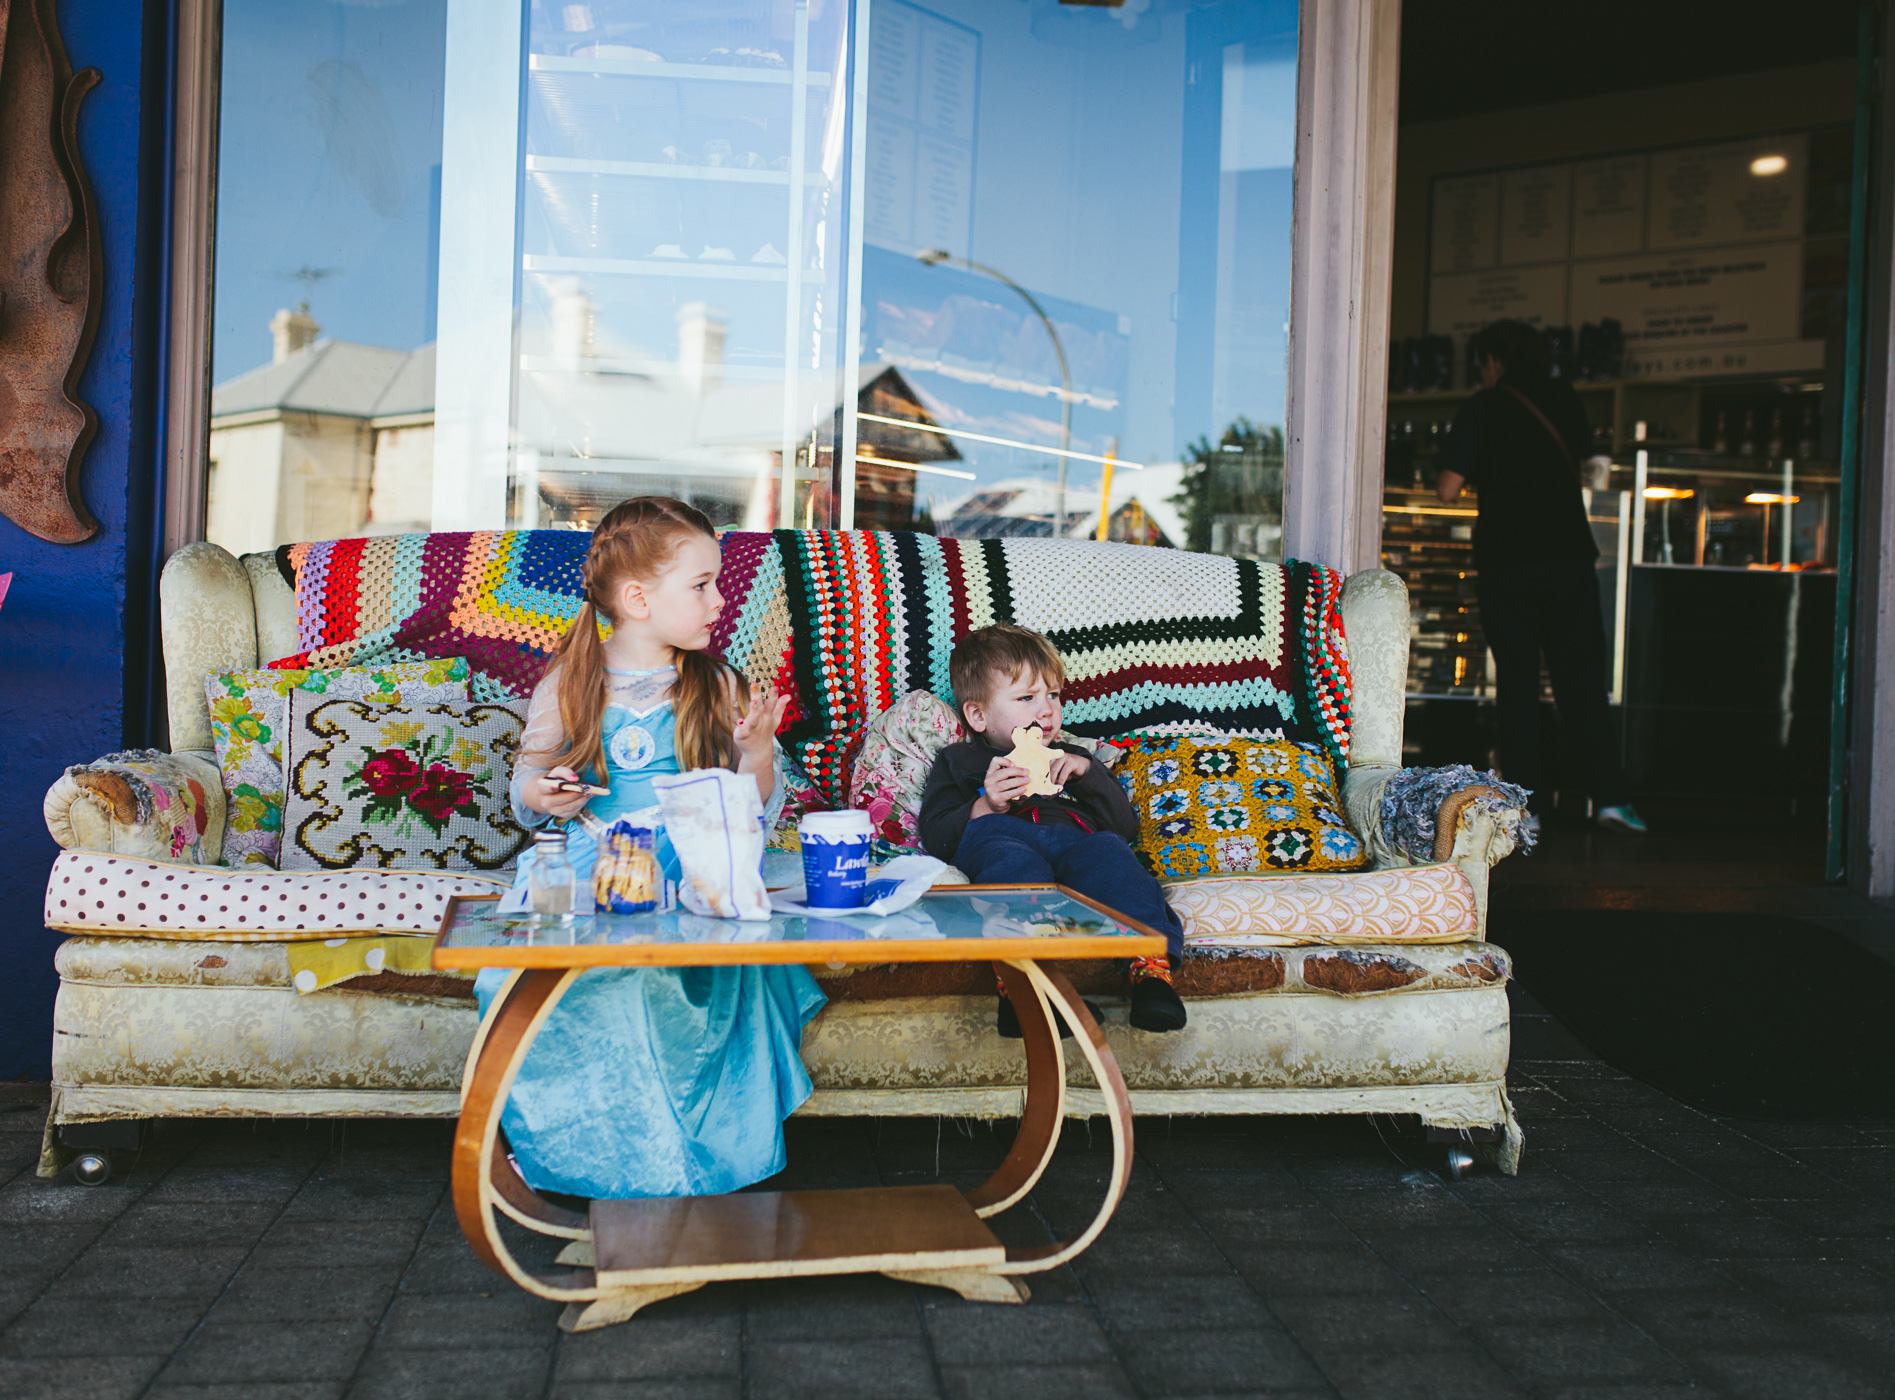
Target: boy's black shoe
1156,1006
1007,1020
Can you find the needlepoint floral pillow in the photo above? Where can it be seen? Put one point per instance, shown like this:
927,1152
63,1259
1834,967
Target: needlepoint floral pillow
403,787
249,716
1221,805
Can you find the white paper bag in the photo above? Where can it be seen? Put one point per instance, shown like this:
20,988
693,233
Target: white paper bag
714,818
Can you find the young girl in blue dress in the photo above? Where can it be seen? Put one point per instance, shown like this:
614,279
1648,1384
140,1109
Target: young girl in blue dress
651,1081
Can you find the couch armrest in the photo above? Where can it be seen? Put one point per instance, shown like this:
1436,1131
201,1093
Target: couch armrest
1468,832
145,803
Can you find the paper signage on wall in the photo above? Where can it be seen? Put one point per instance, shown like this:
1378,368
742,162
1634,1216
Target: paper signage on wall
1697,252
924,89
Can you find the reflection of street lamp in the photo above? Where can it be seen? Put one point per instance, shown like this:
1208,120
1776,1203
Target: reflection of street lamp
934,257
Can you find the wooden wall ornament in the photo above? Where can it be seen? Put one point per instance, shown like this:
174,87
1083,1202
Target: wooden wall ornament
51,275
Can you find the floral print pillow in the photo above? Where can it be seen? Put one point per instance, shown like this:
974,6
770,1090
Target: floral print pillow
249,715
1215,804
898,749
408,786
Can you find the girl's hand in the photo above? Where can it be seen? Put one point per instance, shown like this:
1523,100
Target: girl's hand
542,796
755,730
1065,767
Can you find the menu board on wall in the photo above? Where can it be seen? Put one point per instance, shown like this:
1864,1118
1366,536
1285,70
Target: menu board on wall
1696,251
924,90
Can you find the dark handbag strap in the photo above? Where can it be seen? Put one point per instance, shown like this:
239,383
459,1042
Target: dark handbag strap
1565,448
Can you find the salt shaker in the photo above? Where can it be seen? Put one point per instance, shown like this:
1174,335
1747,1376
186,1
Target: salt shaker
550,884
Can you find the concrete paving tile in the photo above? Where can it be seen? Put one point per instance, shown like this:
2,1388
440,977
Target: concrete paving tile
1151,1252
1409,1322
364,1200
867,1369
214,1185
1697,1318
290,1244
43,1248
1633,1164
1059,1382
1741,1236
1476,1246
1868,1335
467,1373
836,1309
1579,1349
1788,1374
289,1295
1814,1285
1515,1296
506,1318
250,1390
1790,1181
1870,1168
27,1200
103,1272
67,1377
1067,1210
653,1348
1293,1271
1255,1359
1406,1205
1371,1373
1249,1227
1575,1222
1578,1134
680,1388
1639,1201
1002,1335
100,1327
1619,1390
192,1224
450,1269
1135,1303
1863,1218
320,1349
1616,1267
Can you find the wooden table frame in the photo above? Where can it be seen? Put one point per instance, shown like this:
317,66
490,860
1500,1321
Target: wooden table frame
705,1239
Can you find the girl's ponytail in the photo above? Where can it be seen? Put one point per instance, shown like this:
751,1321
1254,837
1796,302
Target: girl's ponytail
636,539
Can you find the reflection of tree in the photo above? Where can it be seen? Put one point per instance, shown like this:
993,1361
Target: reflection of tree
1232,496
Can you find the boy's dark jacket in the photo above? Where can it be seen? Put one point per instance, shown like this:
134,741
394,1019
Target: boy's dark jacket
960,772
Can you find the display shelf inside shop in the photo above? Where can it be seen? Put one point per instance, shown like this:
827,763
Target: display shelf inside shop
1430,546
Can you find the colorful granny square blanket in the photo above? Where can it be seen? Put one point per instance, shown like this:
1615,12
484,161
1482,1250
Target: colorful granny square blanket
849,622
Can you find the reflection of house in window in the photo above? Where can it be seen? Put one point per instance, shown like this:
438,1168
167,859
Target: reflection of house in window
331,439
888,457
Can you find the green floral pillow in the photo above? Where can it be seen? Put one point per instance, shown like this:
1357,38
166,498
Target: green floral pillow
249,715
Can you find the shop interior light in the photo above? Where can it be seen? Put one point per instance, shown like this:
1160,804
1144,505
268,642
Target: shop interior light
1770,498
1769,165
914,467
1669,493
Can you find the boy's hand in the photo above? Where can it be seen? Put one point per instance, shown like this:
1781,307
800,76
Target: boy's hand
1065,767
1005,782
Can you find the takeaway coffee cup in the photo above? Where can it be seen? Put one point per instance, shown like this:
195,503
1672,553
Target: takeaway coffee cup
835,858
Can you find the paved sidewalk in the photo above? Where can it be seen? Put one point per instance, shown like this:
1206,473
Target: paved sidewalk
1644,1251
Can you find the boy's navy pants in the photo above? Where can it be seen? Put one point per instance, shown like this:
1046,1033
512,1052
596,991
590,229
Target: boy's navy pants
1003,850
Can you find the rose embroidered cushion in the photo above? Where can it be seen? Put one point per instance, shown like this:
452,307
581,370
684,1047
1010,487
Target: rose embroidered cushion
249,712
1218,804
404,787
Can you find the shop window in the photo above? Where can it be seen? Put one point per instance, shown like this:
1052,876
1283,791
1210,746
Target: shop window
327,234
979,267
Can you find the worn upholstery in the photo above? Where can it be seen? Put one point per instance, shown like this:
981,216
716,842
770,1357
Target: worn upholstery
150,1028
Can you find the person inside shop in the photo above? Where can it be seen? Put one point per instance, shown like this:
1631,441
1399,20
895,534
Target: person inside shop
1519,442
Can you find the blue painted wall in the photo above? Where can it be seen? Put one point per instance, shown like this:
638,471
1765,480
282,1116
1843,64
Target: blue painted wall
68,674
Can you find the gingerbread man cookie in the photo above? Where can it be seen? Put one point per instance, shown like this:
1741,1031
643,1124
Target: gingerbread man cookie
1030,752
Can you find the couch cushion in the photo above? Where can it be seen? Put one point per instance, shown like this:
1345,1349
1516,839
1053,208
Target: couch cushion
151,962
89,892
1225,804
1409,904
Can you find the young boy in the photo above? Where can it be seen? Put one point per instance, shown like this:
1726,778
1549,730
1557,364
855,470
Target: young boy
974,813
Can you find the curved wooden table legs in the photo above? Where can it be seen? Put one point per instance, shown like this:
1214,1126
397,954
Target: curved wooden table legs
635,1252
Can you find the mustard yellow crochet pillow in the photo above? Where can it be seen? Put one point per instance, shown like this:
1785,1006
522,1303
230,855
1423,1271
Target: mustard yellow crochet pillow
1220,805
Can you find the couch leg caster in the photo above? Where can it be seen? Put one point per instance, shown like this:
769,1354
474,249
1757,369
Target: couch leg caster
1459,1160
92,1168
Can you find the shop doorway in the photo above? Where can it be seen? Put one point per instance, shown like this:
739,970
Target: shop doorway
1664,192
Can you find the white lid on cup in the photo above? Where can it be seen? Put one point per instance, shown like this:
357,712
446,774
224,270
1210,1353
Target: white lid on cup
836,825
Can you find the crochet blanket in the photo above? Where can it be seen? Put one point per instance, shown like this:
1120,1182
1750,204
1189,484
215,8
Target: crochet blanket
849,622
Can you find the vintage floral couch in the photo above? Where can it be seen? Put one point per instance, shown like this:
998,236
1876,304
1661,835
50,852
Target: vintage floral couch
1370,991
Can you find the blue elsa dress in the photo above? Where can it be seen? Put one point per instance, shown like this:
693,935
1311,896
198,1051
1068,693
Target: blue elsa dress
652,1081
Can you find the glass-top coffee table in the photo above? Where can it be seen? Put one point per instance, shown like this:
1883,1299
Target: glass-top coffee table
626,1254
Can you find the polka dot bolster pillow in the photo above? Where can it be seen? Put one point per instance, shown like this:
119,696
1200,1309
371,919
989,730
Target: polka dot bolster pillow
102,895
1224,805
